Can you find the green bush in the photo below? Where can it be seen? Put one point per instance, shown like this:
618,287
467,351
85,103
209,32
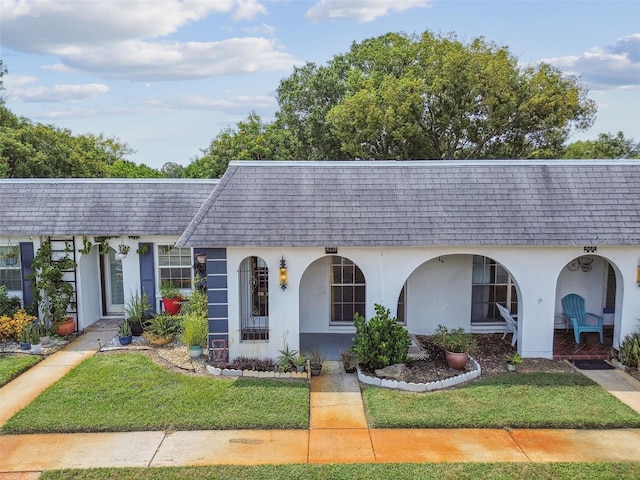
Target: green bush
8,305
381,341
630,350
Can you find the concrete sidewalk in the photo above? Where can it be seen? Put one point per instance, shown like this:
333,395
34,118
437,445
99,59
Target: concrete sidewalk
338,433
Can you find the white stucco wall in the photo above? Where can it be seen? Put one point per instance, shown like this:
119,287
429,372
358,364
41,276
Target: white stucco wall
540,273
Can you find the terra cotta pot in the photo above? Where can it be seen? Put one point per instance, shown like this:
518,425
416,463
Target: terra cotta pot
457,361
66,328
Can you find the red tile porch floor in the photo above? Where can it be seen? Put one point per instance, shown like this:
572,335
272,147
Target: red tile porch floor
589,348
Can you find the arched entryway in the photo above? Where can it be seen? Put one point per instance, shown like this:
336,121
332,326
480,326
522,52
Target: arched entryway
332,290
596,280
461,290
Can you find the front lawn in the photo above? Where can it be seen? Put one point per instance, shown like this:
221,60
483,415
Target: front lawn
438,471
128,392
527,400
13,365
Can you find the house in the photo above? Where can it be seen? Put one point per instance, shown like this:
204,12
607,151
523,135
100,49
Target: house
437,242
294,249
94,217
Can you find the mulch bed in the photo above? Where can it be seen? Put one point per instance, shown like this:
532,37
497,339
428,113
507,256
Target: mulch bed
491,354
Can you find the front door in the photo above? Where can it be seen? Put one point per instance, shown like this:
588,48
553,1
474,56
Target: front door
113,284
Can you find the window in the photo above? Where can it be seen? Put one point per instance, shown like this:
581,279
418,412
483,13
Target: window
402,305
347,290
491,284
10,275
175,266
254,299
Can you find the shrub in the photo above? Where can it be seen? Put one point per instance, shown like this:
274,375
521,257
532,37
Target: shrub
8,305
455,340
194,329
381,341
196,303
630,350
253,363
11,326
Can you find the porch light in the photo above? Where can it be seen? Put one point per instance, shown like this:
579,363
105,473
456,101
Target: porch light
638,274
283,274
201,257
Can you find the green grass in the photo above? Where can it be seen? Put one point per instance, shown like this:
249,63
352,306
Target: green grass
13,365
443,471
532,400
128,392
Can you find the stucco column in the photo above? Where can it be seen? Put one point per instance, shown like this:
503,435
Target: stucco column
536,311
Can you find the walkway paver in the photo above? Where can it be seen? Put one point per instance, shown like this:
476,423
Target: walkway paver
338,433
622,386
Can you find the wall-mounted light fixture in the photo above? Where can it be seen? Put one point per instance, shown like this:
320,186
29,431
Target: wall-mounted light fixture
201,257
638,274
283,274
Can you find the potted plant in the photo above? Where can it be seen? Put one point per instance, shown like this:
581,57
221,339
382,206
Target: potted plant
122,252
36,345
50,290
11,257
161,329
287,358
25,337
457,345
124,334
301,362
171,298
349,360
194,333
512,361
135,310
316,359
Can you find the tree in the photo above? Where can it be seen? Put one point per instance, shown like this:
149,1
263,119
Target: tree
399,97
29,150
250,140
606,146
172,170
128,169
3,72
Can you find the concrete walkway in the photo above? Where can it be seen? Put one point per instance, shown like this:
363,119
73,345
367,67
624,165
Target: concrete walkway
338,433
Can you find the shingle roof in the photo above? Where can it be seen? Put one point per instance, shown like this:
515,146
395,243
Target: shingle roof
425,203
99,206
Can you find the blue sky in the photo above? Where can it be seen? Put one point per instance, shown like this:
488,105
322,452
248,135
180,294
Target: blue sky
166,76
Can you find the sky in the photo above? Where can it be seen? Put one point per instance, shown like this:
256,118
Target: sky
167,76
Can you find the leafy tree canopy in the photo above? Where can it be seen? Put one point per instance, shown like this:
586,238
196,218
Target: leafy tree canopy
35,150
251,139
606,146
404,96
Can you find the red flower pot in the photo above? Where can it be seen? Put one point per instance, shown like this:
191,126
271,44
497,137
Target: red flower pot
172,305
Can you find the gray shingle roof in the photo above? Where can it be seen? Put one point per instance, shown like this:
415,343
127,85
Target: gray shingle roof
424,203
100,206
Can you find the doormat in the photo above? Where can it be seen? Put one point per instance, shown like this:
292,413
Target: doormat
592,365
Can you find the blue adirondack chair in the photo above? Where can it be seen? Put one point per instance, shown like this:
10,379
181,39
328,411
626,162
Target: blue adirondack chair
573,306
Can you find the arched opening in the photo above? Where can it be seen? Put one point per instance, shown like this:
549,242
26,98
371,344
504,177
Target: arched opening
462,290
595,280
332,290
254,299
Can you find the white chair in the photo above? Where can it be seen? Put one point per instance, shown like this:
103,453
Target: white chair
511,324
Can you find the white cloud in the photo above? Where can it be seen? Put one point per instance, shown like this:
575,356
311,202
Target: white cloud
138,60
57,67
125,39
59,93
11,81
229,104
616,65
248,10
361,10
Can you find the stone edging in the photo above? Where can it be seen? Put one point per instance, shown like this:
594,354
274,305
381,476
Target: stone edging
229,372
422,387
